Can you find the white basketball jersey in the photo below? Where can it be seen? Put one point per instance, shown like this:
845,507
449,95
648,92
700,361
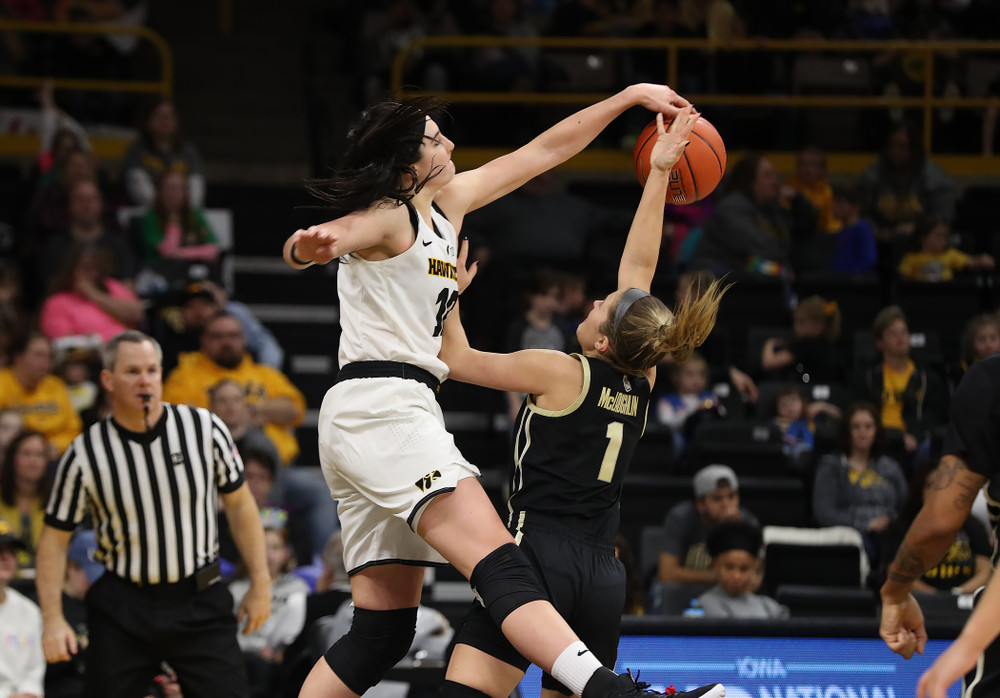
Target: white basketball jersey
394,309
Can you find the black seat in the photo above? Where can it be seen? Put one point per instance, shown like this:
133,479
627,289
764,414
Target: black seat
832,556
858,297
942,308
750,447
826,601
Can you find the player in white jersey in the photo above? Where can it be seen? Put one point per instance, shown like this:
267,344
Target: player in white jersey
407,497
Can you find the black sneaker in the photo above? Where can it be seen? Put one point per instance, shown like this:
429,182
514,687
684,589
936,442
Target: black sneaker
628,686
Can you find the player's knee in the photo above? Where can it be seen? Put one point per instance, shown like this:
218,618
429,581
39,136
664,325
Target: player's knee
453,689
373,645
504,580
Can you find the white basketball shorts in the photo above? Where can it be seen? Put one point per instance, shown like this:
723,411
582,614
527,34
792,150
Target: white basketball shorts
385,454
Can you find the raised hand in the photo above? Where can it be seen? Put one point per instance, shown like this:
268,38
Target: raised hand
670,143
465,275
659,98
316,243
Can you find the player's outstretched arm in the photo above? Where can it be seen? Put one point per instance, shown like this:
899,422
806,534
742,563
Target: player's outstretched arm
642,248
476,188
529,371
980,630
361,230
948,496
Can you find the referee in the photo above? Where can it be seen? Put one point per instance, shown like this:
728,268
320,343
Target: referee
150,476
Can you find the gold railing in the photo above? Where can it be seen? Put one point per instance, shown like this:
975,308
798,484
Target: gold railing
163,86
671,49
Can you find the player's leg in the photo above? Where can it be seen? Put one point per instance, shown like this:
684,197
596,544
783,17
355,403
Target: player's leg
385,600
483,662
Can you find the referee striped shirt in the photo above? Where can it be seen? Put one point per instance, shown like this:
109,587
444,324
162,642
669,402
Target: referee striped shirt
152,495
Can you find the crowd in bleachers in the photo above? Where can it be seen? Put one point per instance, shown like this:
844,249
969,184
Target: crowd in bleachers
856,308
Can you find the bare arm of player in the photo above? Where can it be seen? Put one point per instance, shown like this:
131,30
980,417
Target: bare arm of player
979,631
476,188
642,248
948,497
58,638
248,534
361,230
535,371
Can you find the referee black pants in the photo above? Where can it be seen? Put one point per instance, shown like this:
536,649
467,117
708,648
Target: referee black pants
133,629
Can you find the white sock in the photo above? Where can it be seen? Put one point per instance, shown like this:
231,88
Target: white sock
574,667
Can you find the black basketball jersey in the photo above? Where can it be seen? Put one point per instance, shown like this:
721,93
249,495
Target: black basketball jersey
570,464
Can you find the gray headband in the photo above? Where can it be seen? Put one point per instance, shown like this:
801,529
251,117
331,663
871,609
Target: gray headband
628,298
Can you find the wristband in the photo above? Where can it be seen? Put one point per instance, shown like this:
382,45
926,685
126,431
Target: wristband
291,255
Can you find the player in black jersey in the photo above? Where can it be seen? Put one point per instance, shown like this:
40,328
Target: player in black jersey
575,435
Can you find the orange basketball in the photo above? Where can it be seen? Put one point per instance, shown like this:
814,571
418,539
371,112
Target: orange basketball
700,168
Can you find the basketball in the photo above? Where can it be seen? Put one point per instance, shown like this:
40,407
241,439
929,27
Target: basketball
700,168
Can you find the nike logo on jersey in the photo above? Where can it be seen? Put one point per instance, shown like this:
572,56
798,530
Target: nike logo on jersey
426,243
581,653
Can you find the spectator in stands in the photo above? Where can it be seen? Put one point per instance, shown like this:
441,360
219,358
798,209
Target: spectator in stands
685,557
199,302
276,405
753,226
24,491
735,548
161,149
797,421
536,328
76,366
934,259
13,315
301,489
175,234
912,399
716,348
811,356
980,339
860,486
691,401
966,565
11,425
855,251
264,648
22,664
87,224
903,185
28,387
810,178
49,212
59,135
84,300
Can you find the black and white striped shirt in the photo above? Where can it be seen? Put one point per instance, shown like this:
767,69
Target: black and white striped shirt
152,495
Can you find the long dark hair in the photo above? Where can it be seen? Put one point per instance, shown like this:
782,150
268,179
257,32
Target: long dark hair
844,436
193,232
8,491
744,174
381,149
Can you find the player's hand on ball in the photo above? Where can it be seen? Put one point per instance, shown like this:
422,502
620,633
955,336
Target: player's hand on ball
670,144
659,98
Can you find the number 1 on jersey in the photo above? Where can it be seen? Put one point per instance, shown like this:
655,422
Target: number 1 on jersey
446,301
615,433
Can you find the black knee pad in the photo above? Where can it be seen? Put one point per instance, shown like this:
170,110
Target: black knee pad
373,645
453,689
504,581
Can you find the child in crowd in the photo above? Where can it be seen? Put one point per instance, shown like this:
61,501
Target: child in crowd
264,648
691,401
810,178
811,356
935,259
855,250
735,549
981,338
797,421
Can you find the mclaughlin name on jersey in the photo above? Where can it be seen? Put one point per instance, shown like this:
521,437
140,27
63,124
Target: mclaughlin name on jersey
622,403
